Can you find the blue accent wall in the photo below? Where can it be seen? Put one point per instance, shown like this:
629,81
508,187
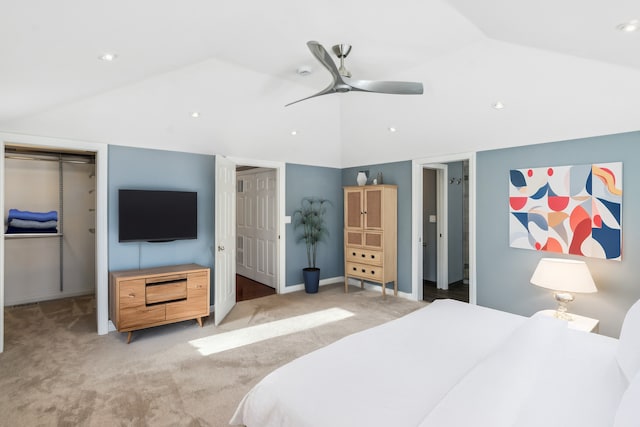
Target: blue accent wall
313,181
139,168
503,273
398,173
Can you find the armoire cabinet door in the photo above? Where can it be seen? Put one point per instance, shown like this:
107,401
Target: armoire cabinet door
354,208
373,208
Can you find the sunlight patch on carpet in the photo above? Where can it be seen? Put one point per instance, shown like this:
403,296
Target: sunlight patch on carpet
252,334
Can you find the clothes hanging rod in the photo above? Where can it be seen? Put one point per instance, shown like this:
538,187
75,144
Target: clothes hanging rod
46,159
18,153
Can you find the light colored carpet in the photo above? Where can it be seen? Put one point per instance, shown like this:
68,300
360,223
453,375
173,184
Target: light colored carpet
57,371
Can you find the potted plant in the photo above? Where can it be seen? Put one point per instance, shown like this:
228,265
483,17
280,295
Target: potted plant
310,219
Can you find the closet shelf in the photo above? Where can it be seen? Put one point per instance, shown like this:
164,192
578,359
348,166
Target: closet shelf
31,235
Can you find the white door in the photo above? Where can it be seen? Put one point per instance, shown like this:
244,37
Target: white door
256,226
442,269
266,228
225,267
245,263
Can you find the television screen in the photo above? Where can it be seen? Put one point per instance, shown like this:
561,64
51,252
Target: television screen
157,216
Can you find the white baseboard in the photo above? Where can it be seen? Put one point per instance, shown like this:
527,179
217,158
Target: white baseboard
31,300
352,282
323,282
377,287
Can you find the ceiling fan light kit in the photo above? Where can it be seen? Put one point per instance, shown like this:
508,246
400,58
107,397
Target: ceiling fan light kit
341,77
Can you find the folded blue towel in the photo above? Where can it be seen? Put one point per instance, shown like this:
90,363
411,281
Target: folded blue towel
15,230
25,223
33,216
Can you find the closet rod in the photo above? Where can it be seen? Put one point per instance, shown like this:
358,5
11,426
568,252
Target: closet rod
43,159
47,156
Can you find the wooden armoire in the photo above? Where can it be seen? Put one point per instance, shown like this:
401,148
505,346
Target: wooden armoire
370,235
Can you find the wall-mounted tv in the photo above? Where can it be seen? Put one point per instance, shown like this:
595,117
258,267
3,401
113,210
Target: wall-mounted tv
157,216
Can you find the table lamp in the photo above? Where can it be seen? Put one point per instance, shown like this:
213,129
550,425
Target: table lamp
563,276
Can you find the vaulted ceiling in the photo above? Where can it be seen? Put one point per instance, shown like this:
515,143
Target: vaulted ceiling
562,70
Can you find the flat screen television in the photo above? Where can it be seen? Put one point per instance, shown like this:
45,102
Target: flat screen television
157,216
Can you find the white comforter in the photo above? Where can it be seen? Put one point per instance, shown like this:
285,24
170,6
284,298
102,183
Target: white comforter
449,364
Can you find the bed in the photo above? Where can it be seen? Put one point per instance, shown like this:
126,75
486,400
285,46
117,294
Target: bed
455,364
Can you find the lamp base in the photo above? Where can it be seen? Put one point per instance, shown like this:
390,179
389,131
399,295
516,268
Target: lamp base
563,299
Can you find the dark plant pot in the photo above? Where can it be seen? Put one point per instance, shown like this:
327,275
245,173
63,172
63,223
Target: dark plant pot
311,280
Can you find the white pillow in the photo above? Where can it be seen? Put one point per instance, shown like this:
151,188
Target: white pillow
629,344
628,412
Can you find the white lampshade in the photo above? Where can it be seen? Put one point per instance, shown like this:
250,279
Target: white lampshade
563,275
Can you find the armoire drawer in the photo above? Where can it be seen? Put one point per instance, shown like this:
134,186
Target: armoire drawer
364,271
364,256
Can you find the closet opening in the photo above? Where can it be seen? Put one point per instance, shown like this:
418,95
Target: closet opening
50,230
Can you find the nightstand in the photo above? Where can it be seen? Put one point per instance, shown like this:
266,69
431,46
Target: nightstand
579,323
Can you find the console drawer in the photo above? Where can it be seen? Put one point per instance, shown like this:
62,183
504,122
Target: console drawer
193,307
198,283
131,294
165,292
140,317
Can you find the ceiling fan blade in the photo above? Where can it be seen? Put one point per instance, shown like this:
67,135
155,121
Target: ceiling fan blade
396,88
324,58
326,91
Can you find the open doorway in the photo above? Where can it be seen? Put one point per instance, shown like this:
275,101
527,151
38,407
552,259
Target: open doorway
226,230
443,254
445,231
256,232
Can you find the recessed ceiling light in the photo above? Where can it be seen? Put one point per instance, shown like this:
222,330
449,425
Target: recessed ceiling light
294,132
108,56
629,27
392,129
498,105
304,70
195,114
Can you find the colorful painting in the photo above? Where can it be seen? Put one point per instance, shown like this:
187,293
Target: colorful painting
573,210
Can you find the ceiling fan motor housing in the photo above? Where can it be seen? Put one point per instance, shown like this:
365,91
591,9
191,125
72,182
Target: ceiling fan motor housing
341,77
342,50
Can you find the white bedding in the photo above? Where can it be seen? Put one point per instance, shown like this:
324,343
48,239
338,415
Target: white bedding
449,364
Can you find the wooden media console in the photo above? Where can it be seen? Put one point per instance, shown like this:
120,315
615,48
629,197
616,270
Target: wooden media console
149,297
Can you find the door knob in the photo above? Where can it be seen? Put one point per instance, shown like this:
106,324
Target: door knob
220,248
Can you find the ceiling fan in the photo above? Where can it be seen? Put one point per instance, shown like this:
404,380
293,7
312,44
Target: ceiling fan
342,81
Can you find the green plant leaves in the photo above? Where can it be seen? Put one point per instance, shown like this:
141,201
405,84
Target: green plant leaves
310,219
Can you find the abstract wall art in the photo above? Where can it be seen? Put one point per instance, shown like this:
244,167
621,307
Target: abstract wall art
573,210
